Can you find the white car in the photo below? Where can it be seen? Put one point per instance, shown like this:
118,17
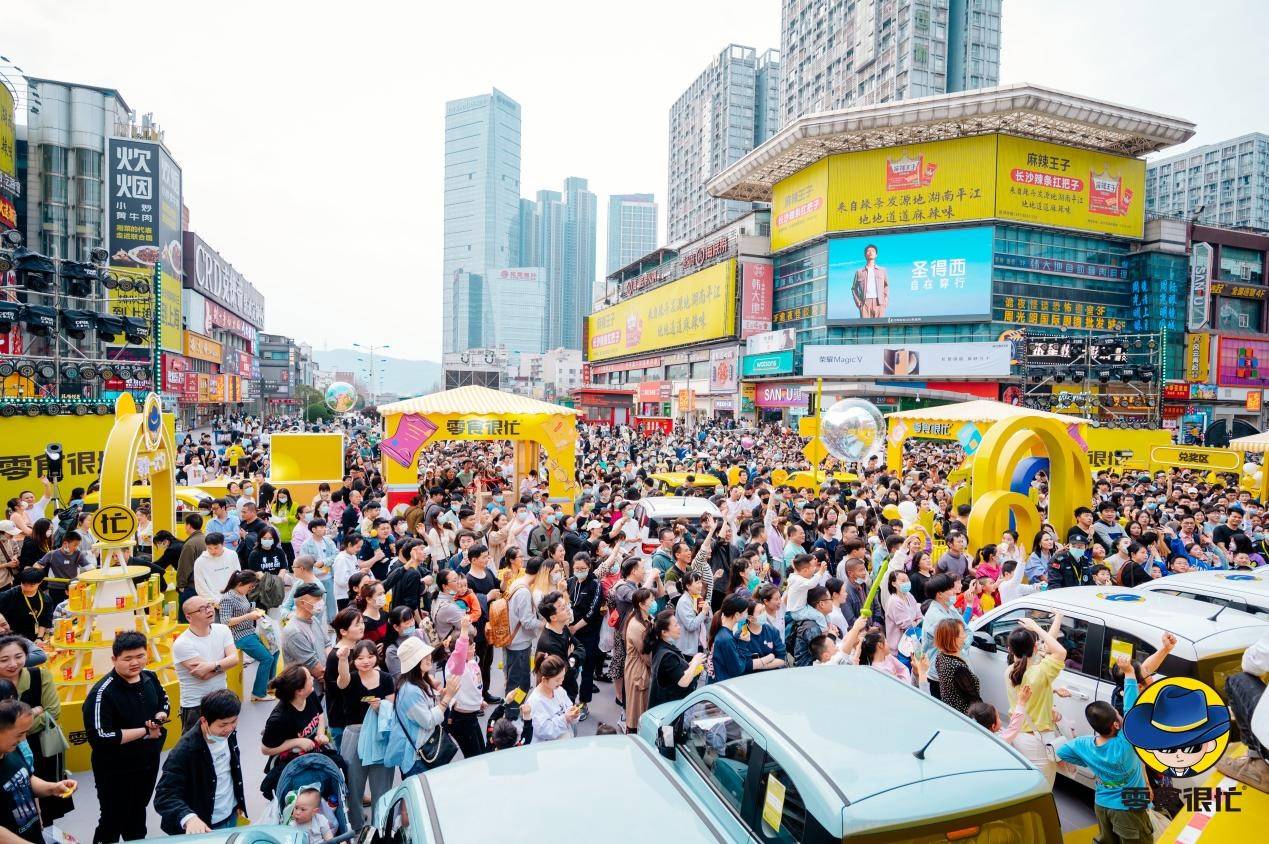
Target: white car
652,514
1098,622
1240,590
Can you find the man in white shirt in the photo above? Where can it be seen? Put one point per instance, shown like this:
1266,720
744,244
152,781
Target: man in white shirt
201,786
213,568
202,654
1249,705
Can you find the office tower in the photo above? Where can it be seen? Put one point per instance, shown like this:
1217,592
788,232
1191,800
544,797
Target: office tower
563,244
713,125
841,53
482,203
632,228
515,303
1222,184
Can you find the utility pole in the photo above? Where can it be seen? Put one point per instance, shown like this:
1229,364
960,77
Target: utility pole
370,350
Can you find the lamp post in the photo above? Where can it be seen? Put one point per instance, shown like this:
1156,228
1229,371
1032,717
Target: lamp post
371,350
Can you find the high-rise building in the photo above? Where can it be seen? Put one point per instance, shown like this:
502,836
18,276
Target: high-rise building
515,310
482,202
1221,184
563,244
632,228
720,117
841,53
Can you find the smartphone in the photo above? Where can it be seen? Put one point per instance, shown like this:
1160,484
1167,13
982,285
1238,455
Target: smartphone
516,696
368,698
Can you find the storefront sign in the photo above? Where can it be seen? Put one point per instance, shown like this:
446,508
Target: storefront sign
880,360
675,268
654,391
1215,459
771,363
694,309
8,140
175,368
1239,363
214,277
218,317
1198,358
687,401
723,375
1082,269
1200,300
772,341
1176,392
1255,399
1202,392
1057,313
755,298
779,395
795,314
8,214
1238,291
203,348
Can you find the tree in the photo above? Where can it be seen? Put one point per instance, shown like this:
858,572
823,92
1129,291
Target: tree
314,404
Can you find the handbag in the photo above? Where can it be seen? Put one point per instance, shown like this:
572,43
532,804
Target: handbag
1050,746
437,750
53,740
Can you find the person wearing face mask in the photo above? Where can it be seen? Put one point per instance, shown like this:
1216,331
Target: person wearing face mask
588,614
200,789
268,557
557,638
283,515
546,534
447,615
762,643
1069,565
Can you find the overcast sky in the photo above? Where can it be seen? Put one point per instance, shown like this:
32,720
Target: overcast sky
311,133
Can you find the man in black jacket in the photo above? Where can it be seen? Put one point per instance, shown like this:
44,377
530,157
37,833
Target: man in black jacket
201,786
124,715
405,581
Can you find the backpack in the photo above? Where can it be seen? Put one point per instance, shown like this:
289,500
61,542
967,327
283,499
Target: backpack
498,630
801,655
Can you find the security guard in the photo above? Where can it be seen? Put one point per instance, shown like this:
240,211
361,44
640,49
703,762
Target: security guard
1069,567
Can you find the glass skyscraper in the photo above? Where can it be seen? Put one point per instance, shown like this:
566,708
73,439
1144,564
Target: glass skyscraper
632,228
561,236
482,207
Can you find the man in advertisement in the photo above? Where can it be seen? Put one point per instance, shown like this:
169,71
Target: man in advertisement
871,287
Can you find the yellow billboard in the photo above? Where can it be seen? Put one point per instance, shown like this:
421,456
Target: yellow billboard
1053,185
915,185
1198,358
141,305
8,133
693,309
799,206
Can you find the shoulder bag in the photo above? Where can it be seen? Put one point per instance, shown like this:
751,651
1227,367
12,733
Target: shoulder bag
437,750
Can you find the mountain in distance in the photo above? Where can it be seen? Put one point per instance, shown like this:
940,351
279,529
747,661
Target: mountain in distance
392,375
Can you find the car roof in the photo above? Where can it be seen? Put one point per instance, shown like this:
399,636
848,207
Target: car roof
521,783
699,479
1186,618
850,763
1248,585
661,506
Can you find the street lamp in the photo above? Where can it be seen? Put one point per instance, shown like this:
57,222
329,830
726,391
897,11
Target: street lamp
371,349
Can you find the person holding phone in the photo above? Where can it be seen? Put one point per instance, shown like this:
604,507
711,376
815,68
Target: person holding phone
361,687
554,716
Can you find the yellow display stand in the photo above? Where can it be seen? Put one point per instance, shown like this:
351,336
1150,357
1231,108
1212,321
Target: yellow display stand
303,462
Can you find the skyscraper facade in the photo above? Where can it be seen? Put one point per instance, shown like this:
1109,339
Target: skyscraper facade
482,206
714,124
580,230
632,228
841,53
1221,184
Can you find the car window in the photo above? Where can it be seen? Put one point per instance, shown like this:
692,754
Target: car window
782,816
718,746
1117,642
399,822
1073,635
1003,625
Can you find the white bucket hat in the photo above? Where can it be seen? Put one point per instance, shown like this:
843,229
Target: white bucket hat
411,652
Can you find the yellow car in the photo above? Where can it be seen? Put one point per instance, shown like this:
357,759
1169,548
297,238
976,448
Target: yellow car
807,479
675,481
188,499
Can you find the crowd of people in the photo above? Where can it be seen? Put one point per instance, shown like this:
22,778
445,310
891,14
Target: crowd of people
509,614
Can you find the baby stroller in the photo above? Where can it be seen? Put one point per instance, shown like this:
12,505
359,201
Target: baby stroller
315,769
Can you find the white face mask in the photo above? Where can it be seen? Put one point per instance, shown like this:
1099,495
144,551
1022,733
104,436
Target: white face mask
266,544
378,600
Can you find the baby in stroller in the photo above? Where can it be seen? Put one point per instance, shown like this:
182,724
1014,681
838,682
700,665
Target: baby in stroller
306,815
311,797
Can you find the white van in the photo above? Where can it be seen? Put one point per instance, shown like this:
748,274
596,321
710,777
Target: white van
1097,621
1247,591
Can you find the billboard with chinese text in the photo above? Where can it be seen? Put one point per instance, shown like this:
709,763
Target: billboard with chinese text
693,309
941,275
910,360
8,134
799,206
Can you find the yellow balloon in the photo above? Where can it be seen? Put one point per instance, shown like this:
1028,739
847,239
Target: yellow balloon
1211,478
891,511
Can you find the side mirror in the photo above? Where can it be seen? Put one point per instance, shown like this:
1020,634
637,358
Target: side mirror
665,741
983,641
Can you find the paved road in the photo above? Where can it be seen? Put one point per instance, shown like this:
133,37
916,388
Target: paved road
1074,802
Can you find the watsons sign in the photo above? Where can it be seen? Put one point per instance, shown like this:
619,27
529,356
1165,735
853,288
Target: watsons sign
215,278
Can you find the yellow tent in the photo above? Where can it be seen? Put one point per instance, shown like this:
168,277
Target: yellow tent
479,413
945,421
1255,444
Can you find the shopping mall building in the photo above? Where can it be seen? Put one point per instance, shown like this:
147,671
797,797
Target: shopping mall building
986,244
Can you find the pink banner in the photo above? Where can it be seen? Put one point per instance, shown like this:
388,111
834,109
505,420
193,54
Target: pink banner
413,432
755,298
779,395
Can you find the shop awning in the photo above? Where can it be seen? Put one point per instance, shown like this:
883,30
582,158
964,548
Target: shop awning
1255,444
982,411
473,399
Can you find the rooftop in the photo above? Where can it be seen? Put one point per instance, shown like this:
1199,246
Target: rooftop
1021,109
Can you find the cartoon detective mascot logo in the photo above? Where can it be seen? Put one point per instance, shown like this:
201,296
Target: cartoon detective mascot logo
1179,726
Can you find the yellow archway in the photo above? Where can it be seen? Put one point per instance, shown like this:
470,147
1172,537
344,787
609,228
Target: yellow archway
138,434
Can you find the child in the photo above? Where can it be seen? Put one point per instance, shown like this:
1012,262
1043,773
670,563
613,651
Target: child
306,815
975,598
987,716
1115,763
808,571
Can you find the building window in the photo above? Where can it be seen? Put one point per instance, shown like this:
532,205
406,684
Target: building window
1238,314
1238,264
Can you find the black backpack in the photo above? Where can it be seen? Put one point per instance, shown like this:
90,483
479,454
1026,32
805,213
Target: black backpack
796,634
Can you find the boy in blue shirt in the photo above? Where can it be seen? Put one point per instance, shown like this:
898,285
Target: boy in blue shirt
1115,763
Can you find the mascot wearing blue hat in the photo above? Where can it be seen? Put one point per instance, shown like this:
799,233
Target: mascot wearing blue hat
1178,731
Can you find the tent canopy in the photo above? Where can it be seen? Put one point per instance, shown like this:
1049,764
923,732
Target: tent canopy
474,400
1255,444
983,411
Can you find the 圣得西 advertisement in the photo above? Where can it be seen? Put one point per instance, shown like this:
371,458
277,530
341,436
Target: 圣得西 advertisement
911,360
771,341
723,376
941,275
755,298
768,363
692,309
1239,363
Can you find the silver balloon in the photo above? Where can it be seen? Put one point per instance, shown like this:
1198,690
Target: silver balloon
852,429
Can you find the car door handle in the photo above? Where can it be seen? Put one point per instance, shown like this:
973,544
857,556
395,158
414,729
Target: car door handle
1077,693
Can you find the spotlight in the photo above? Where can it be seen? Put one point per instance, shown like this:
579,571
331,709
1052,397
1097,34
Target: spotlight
46,371
78,278
1129,373
70,371
80,409
87,372
107,372
141,285
26,369
99,255
36,272
40,320
126,284
1104,375
137,331
10,312
1059,376
52,410
109,326
8,411
32,409
77,324
108,280
1147,373
6,260
6,368
102,409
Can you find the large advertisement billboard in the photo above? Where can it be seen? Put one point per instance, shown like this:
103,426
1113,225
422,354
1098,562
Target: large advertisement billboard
942,275
693,309
915,185
8,138
1240,363
799,206
217,280
911,360
756,289
1053,185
